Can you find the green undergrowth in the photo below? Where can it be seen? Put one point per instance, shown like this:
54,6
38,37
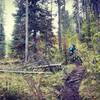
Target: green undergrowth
16,82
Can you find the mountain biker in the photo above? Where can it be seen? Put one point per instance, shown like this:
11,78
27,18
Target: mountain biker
72,56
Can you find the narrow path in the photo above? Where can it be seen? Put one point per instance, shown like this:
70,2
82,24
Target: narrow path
70,90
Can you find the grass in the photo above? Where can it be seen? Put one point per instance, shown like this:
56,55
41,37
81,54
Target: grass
16,82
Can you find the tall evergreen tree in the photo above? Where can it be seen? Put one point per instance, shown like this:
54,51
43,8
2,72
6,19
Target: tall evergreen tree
61,20
2,50
95,7
59,23
39,22
77,17
91,14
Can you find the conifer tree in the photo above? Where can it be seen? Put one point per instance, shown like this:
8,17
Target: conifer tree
2,50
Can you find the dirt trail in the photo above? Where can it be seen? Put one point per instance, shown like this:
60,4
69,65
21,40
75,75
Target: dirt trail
70,90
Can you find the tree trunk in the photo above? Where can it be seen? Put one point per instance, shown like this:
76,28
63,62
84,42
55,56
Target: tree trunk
59,27
78,20
87,17
26,36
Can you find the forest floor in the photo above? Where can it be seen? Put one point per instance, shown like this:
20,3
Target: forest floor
14,87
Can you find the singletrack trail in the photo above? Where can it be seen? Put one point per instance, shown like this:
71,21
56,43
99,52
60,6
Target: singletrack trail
70,89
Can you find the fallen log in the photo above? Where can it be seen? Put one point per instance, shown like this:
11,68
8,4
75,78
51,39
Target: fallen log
23,72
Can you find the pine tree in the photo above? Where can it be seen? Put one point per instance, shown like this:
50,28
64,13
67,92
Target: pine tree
59,23
95,8
2,50
39,22
77,17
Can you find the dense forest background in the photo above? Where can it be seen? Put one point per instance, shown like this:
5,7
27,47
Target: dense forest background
43,30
